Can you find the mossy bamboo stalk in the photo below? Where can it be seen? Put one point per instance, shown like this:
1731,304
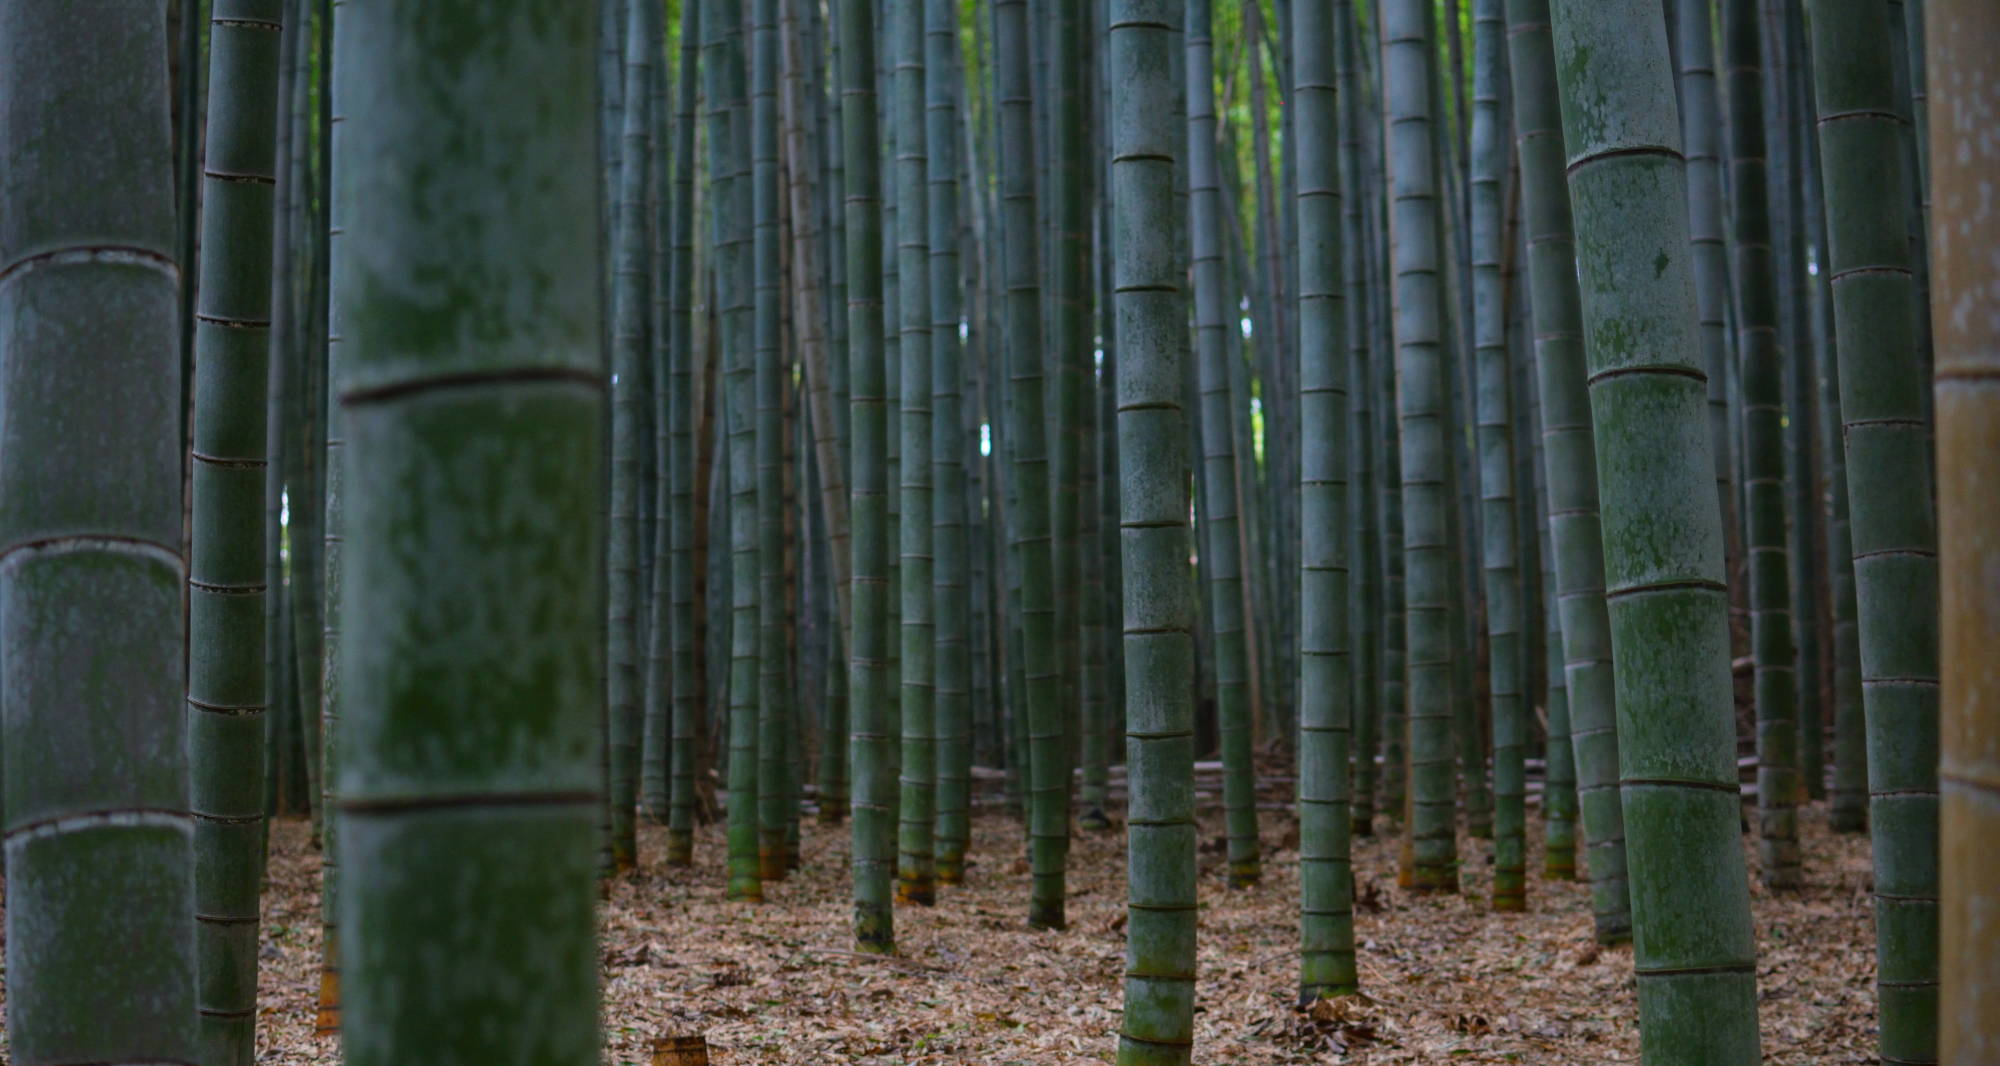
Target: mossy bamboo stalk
1146,133
1891,521
99,858
474,507
1693,948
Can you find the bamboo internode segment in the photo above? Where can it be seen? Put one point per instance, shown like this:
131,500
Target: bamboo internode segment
1964,36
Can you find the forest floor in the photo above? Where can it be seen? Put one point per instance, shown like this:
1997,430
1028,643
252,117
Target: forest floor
1444,979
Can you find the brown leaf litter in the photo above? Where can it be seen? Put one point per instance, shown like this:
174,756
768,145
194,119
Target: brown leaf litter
1444,979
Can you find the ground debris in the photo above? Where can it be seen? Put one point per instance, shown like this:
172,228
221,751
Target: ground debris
1443,979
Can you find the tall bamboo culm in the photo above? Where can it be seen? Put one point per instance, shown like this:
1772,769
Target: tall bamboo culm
915,855
99,841
1048,764
1568,453
1693,947
681,401
1421,382
1760,374
1963,37
1221,558
1326,874
1893,531
951,572
228,689
1146,134
469,784
730,167
872,759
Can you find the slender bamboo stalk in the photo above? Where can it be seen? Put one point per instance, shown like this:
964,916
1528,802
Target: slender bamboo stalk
768,383
1763,452
630,297
1048,830
1326,876
1363,521
1693,34
680,416
916,860
1895,540
227,688
1145,132
951,575
1221,558
873,794
730,163
1693,947
1568,445
1421,384
1500,558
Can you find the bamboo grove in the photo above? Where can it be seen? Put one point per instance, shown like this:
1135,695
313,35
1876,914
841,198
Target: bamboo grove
1532,429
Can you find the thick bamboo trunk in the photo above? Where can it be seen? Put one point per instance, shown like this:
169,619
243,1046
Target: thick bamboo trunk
469,751
1693,946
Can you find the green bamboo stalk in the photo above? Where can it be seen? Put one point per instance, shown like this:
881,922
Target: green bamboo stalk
1848,800
1894,536
767,386
729,168
687,688
1789,176
1693,947
1763,451
1962,39
333,560
1326,876
1145,133
916,871
99,859
951,576
1222,566
1425,443
655,758
1067,318
873,794
1048,829
469,762
1362,520
1500,558
630,298
1568,443
227,691
1559,809
1693,34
